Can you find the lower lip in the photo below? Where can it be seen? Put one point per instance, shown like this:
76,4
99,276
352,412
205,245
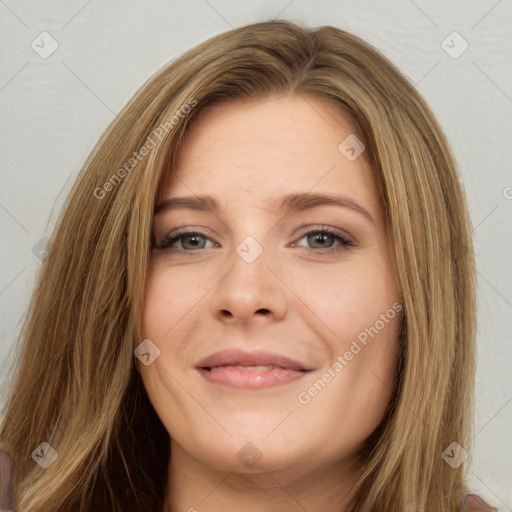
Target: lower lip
241,378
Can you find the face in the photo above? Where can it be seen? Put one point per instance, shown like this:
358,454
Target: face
276,323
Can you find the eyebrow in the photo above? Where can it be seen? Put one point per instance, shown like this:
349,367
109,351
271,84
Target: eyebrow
289,202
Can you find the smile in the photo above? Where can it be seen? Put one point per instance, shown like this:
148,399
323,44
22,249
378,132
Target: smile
251,377
250,370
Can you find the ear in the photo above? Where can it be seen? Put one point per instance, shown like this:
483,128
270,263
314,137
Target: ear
473,503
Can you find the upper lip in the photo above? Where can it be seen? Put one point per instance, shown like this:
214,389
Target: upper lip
234,357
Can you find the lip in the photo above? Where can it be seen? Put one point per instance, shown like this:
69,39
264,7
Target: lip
227,367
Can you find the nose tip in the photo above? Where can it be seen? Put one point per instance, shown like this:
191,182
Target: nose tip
249,291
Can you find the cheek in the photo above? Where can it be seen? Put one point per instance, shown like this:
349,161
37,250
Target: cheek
170,314
359,305
346,298
170,299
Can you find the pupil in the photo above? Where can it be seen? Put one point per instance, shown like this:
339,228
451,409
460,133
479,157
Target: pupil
322,237
194,240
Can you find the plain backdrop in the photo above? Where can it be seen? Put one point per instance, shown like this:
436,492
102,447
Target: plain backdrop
68,67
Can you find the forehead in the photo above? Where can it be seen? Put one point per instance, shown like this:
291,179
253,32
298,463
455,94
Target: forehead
267,148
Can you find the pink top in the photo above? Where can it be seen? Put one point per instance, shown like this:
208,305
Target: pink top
474,503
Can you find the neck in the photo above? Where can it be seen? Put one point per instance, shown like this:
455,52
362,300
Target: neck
195,487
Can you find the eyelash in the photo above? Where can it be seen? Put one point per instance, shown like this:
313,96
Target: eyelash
172,237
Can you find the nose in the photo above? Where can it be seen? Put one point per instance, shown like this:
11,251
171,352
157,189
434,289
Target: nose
250,292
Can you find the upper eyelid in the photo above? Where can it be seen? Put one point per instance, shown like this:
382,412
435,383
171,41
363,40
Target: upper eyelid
203,231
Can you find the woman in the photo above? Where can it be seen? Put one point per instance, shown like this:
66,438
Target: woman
260,296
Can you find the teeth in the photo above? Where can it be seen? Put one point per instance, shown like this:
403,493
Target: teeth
254,368
257,368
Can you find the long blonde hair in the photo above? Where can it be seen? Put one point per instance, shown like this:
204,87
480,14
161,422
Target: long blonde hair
75,382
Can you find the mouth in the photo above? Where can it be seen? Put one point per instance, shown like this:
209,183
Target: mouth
250,370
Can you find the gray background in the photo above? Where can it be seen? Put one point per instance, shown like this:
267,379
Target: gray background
53,110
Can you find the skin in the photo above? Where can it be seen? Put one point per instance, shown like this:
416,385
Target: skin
295,299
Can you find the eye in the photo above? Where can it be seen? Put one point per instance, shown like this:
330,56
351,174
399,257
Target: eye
189,241
325,237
